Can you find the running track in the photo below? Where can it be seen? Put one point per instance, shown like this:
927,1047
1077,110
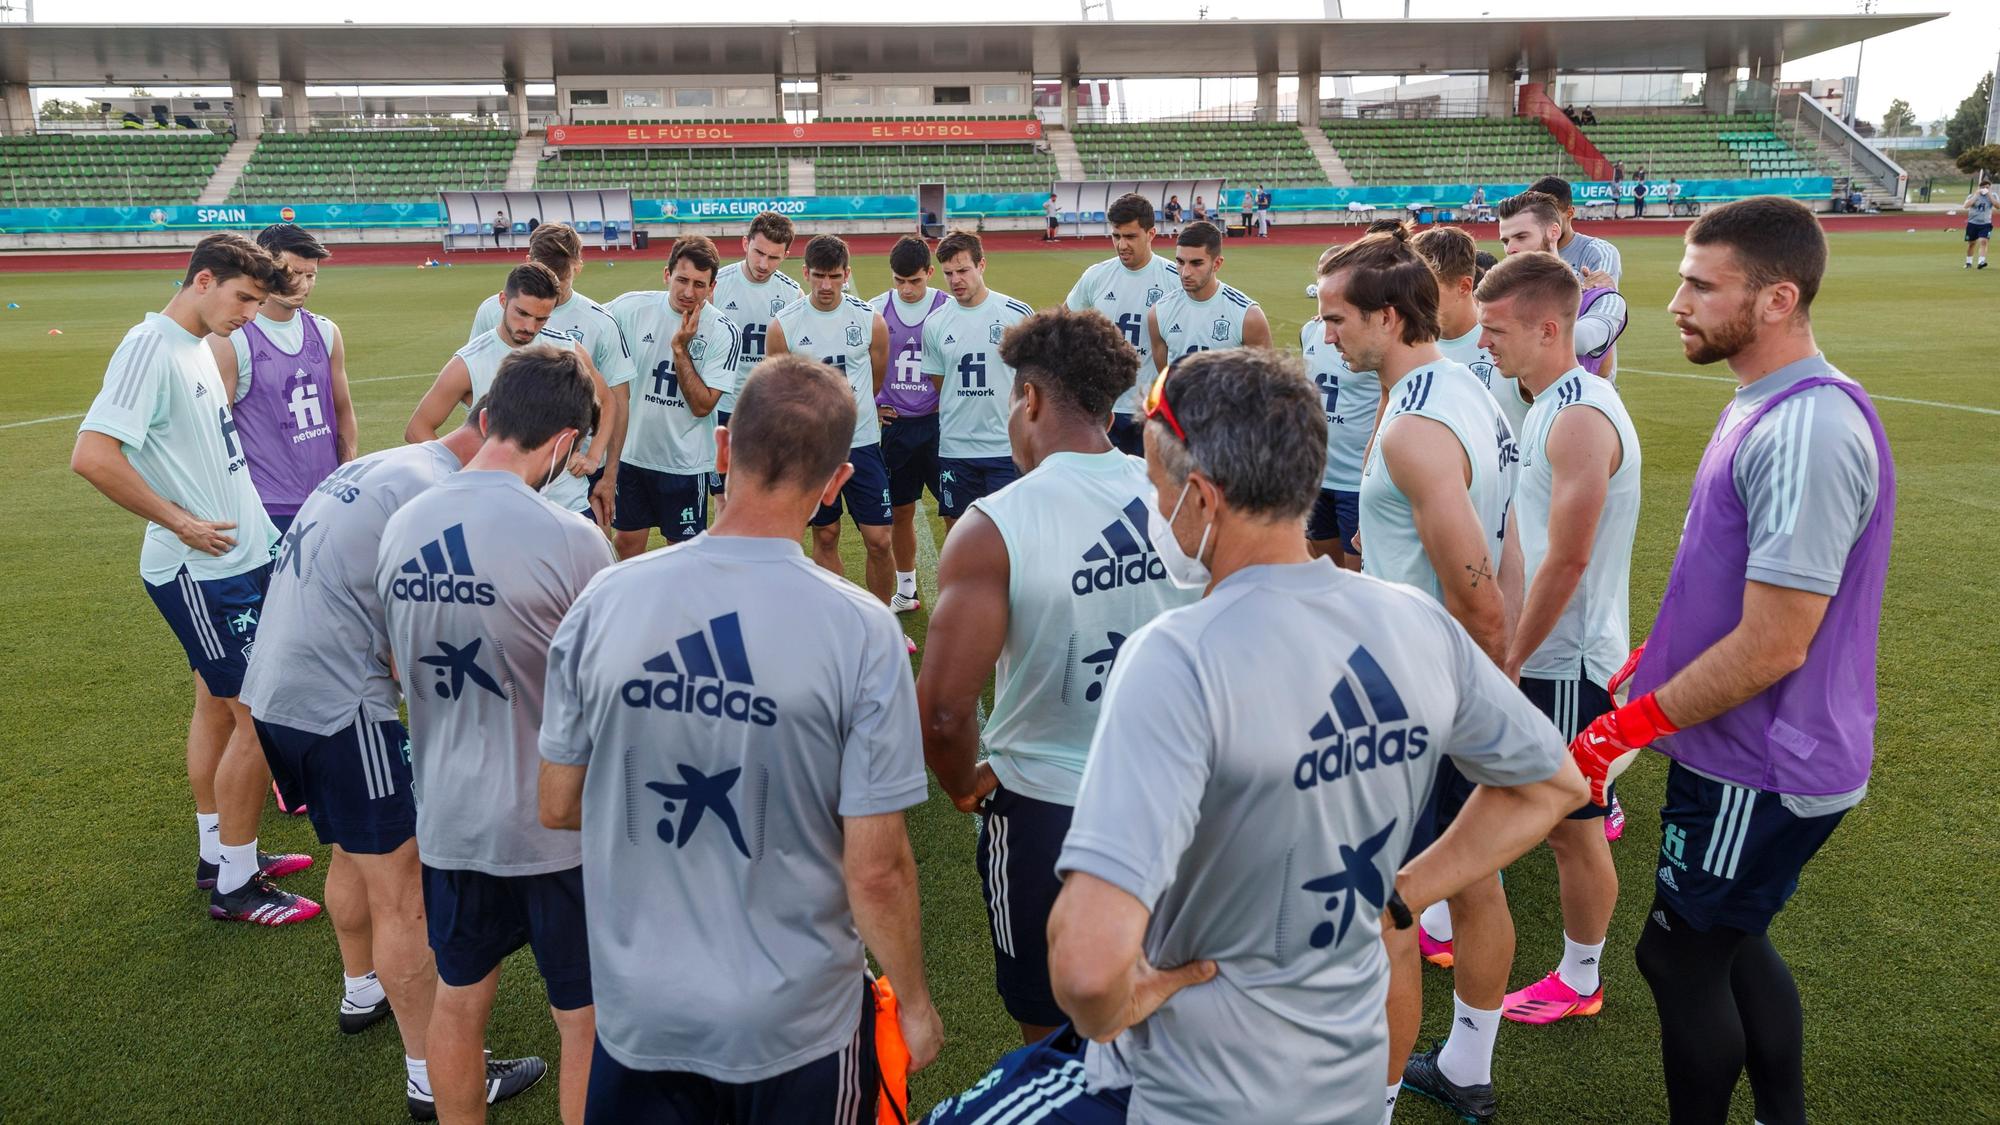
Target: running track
413,253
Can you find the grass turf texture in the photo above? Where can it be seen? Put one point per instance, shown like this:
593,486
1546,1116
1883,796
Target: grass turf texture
126,1003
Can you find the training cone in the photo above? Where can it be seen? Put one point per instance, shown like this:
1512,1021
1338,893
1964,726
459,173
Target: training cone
12,305
55,331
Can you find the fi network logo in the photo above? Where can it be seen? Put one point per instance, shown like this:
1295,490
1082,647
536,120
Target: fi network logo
1356,736
1123,556
697,677
442,572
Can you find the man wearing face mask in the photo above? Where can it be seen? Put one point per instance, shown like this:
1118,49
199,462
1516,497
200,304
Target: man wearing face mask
1045,578
474,576
1250,788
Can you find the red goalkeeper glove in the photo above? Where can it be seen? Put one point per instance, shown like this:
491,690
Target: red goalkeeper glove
1608,745
1625,670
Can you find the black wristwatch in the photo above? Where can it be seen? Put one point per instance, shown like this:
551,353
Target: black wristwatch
1399,911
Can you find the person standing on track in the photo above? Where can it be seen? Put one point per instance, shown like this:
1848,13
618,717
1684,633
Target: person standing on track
1758,679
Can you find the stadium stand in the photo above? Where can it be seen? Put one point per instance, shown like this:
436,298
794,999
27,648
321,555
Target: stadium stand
1273,154
1700,146
380,166
871,169
1448,150
669,172
84,169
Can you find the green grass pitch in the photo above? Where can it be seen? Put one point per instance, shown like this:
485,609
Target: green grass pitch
125,1003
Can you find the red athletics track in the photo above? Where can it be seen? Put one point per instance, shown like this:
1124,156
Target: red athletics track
412,253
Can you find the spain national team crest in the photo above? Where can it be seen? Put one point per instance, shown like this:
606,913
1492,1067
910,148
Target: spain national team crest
1153,296
1220,329
697,348
995,332
776,304
854,335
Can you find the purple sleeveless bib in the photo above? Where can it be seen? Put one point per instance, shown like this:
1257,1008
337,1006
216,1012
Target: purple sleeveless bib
903,386
286,422
1595,364
1813,732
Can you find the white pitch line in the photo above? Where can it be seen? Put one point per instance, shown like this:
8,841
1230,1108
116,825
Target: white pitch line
1878,398
74,417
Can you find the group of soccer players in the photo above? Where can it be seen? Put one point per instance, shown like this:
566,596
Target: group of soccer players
1230,795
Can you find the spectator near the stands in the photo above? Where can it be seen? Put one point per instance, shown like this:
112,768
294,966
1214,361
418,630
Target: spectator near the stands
1173,213
1053,210
1263,211
1589,116
499,228
1639,190
1249,207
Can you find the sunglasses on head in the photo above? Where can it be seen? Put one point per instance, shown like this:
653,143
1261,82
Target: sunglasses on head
1156,406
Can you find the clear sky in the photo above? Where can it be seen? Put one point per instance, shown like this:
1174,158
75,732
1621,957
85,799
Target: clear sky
1932,66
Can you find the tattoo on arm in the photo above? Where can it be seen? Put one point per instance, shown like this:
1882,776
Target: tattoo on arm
1480,571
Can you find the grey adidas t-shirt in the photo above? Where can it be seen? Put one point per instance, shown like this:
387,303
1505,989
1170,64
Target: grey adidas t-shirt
1313,704
1587,252
322,652
475,575
1807,476
733,702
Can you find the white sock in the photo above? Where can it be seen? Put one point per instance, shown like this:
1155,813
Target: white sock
364,991
208,827
1579,965
1389,1103
1968,261
238,864
906,583
1467,1055
419,1072
1437,920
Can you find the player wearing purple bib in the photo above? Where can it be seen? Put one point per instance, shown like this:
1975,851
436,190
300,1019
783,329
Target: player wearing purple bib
288,372
908,406
1758,679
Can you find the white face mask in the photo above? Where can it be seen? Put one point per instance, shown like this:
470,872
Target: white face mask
556,457
1184,572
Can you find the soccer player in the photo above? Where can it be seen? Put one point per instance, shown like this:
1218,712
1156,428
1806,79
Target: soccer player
529,299
680,342
1596,261
750,293
1250,790
474,575
1434,495
908,407
961,344
1576,507
1046,579
1758,679
1584,253
1531,222
557,246
846,334
1352,401
1978,224
1123,288
325,706
160,442
1203,314
735,732
1454,257
293,413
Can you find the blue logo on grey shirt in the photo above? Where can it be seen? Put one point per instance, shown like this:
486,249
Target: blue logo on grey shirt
1358,738
1358,881
1123,556
724,664
696,795
455,665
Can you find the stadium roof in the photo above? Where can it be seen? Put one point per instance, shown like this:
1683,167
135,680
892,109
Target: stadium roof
384,54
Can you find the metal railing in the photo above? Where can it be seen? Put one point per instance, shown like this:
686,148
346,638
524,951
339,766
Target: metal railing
1809,120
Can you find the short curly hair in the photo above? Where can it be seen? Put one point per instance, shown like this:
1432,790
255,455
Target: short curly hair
1076,358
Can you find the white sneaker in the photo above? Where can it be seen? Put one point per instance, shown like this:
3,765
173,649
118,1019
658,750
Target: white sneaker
904,603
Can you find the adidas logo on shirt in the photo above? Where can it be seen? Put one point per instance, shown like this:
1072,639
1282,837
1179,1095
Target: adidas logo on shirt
1358,739
1123,557
724,664
646,339
442,572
